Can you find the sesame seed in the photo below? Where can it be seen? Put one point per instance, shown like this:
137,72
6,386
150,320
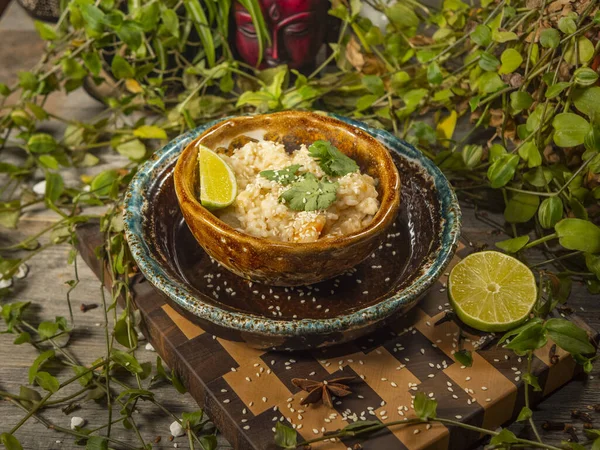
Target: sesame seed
468,379
458,416
417,431
246,427
226,400
264,399
483,388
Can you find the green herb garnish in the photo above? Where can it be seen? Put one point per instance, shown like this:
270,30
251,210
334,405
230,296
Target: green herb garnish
282,176
333,162
309,193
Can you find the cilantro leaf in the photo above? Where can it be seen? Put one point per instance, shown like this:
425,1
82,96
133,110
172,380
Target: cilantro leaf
333,162
282,176
309,193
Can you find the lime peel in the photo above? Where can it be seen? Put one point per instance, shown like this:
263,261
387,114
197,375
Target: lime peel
491,291
218,186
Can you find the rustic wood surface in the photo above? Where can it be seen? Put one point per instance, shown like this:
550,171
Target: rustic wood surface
45,288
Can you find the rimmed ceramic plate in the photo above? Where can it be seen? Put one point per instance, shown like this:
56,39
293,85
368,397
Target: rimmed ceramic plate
416,251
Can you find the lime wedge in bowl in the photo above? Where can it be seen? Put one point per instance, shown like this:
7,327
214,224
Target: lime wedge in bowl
218,187
491,291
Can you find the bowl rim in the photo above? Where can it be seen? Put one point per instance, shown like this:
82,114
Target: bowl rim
153,270
388,207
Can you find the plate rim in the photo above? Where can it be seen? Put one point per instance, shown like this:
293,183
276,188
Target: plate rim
152,269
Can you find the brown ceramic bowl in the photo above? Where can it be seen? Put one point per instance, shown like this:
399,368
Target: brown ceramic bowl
281,263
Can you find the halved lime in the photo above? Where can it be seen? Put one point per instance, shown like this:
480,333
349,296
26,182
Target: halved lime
491,291
218,187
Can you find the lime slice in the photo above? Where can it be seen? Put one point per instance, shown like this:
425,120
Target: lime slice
218,187
491,291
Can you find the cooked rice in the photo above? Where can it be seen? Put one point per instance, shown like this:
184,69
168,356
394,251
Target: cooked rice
257,210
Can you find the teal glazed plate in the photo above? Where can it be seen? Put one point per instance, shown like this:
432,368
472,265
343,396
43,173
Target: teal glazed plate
415,252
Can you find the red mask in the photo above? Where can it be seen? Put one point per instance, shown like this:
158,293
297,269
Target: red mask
297,29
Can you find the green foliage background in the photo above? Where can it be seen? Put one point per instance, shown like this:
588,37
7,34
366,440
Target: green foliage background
522,73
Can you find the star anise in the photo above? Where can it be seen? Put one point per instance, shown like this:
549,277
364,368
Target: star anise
322,390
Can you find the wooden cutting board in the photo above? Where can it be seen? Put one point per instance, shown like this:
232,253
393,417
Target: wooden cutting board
245,391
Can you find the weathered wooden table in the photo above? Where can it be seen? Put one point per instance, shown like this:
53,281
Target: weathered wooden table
45,287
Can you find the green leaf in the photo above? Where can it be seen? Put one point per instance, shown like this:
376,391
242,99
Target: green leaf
86,375
10,442
126,361
177,384
587,101
592,139
434,74
130,33
121,68
47,329
374,84
513,245
47,381
332,161
93,16
520,100
569,336
584,76
171,22
32,396
472,155
521,208
46,32
122,335
569,129
504,36
585,51
402,15
592,262
567,25
37,111
38,363
550,212
488,62
490,82
283,176
511,60
92,62
578,234
102,183
5,90
530,153
209,442
550,38
502,170
285,437
190,420
365,102
556,89
464,357
54,186
196,13
28,81
425,408
73,69
41,143
134,149
48,161
22,338
504,437
533,381
96,443
482,35
525,414
529,338
309,194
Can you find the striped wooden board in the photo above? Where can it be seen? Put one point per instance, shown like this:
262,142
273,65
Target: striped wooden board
245,391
